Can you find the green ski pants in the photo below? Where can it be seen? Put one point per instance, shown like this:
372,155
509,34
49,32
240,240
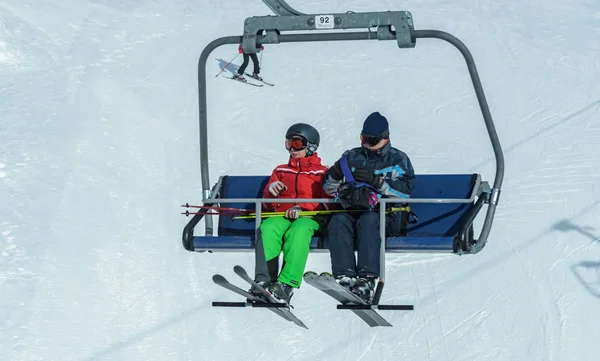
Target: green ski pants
293,237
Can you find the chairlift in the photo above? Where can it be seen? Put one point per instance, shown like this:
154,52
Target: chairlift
446,204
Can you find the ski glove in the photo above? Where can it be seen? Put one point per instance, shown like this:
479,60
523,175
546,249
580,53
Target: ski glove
293,213
241,50
276,188
336,171
366,175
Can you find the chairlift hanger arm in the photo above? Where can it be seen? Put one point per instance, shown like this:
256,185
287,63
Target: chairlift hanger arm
390,25
281,8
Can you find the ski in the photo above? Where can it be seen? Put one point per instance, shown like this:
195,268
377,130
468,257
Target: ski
327,284
245,82
262,81
240,271
252,300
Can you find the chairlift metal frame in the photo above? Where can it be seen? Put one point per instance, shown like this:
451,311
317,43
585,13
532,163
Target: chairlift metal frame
389,25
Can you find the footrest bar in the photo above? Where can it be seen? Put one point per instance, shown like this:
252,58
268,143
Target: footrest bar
377,307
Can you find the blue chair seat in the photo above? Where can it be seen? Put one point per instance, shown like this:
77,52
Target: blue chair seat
392,243
436,230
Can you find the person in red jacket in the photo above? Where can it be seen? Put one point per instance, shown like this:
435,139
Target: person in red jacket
301,177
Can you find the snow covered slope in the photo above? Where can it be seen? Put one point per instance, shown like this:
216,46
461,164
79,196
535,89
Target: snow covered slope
99,147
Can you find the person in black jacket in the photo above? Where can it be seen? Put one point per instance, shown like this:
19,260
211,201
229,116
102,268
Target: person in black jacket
380,170
255,74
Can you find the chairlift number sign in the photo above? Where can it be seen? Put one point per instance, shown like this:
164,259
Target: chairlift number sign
324,22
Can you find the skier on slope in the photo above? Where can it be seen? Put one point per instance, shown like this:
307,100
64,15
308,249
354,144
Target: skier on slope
300,177
247,57
383,171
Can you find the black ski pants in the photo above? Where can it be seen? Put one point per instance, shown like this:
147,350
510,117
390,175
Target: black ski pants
247,58
347,232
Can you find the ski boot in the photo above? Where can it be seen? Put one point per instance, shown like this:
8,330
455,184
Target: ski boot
239,77
347,282
256,76
365,288
281,292
257,293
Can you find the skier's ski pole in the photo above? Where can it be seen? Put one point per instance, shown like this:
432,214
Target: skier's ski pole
316,213
240,210
219,213
225,67
216,210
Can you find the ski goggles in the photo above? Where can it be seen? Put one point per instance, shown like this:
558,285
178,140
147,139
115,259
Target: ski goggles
295,144
371,140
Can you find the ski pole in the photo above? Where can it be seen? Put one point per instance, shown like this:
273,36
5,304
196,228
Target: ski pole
225,211
218,213
260,62
316,213
225,67
239,210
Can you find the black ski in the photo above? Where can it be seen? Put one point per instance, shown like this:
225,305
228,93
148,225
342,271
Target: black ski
245,82
348,300
262,81
240,271
254,301
328,285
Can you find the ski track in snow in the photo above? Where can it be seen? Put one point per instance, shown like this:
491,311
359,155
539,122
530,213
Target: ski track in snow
90,253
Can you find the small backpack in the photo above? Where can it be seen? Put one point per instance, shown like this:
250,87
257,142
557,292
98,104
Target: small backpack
355,195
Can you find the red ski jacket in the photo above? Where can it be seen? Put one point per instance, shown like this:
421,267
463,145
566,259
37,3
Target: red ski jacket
303,179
